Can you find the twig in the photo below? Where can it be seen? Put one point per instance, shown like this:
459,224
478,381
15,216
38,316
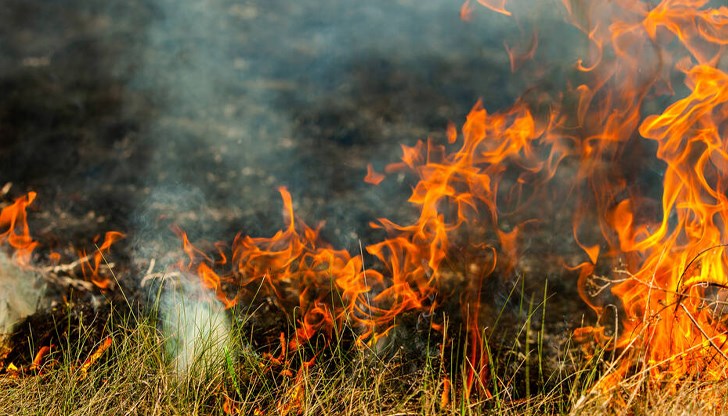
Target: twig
710,339
6,188
52,274
65,267
685,270
163,276
67,281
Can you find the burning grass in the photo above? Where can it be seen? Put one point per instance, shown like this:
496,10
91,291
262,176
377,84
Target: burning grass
134,372
435,317
130,369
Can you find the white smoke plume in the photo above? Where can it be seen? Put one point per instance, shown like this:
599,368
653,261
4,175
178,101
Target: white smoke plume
196,326
21,292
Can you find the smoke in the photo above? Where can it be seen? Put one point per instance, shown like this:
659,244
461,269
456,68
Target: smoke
250,96
196,326
194,323
21,291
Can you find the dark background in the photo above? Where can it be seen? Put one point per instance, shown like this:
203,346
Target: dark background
120,113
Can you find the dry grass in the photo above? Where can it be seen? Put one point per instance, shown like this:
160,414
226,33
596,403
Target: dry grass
136,376
636,396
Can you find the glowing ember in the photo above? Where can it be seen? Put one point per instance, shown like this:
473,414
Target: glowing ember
39,356
105,344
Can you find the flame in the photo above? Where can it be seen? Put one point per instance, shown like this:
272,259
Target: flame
496,5
673,260
301,273
683,254
373,177
473,195
14,220
322,288
518,57
466,11
91,264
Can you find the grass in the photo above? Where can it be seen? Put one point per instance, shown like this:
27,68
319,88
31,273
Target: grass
137,376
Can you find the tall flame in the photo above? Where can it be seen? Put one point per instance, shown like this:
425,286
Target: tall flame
676,259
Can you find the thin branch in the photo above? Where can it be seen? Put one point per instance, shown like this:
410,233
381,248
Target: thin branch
710,339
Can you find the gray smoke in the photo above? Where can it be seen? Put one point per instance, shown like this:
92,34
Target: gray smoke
196,326
21,291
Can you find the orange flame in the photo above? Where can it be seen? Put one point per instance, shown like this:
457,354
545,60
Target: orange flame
298,271
91,264
373,177
496,5
13,219
323,288
672,262
518,58
682,256
474,200
466,11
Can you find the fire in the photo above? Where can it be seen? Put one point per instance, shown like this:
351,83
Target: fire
14,220
373,177
323,288
316,285
683,254
475,196
675,259
91,264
